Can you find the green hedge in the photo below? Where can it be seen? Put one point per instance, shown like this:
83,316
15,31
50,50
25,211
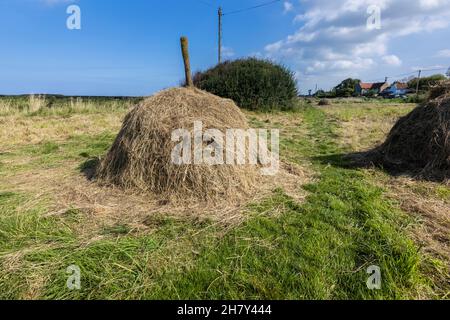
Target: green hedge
252,83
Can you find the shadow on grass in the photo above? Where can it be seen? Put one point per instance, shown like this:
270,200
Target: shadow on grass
89,167
372,159
335,160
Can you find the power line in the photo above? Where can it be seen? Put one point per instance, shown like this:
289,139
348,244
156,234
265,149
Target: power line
403,74
440,69
221,14
251,8
206,3
407,74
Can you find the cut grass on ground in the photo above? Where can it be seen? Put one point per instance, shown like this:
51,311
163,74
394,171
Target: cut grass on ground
284,249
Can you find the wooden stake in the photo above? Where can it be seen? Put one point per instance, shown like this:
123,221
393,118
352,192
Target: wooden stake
187,64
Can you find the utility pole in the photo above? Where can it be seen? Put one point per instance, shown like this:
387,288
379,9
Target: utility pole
418,81
220,34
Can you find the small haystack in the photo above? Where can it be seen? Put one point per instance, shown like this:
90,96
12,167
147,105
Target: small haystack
420,141
324,102
140,158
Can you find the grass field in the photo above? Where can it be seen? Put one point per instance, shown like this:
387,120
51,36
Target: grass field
313,240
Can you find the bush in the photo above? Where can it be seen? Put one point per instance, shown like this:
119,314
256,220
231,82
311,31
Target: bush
426,83
346,88
253,84
413,98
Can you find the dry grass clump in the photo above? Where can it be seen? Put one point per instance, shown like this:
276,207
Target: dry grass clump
420,141
324,102
140,158
440,90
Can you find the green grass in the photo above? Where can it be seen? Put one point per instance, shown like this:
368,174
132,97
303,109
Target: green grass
51,154
369,110
319,249
49,105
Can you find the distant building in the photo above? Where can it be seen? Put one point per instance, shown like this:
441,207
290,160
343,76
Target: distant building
376,88
397,89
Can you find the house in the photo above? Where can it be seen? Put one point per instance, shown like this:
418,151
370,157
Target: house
397,89
376,88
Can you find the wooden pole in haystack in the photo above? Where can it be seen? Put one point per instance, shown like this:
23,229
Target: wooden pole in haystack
187,64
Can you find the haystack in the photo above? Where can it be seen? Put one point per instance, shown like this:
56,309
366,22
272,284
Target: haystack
141,156
420,141
324,102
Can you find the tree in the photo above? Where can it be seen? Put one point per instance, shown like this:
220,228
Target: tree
425,83
320,93
347,88
325,94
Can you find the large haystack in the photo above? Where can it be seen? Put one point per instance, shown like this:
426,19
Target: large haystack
140,158
420,141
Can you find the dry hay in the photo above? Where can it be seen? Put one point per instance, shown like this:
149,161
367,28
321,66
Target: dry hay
89,209
420,141
140,158
324,102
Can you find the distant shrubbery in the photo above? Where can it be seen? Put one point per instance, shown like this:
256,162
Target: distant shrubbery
426,83
345,89
413,98
58,104
253,84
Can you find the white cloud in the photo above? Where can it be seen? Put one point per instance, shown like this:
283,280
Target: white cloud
427,4
227,52
333,36
392,60
288,6
274,47
443,53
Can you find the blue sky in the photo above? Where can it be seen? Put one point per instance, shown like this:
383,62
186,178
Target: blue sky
132,47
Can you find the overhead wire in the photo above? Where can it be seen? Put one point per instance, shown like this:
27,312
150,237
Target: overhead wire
251,8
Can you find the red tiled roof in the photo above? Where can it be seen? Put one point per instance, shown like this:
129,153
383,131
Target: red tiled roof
366,86
371,86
